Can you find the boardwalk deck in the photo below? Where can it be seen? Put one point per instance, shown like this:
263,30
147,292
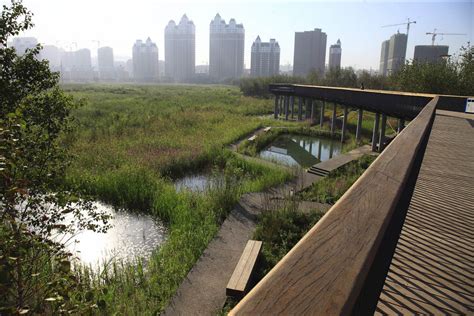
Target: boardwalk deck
432,271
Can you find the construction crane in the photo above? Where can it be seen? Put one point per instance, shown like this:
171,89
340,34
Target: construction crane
434,34
406,23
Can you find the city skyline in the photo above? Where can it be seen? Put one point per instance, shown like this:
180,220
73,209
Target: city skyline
58,24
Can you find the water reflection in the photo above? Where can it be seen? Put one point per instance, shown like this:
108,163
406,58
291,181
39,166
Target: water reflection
199,182
303,151
132,235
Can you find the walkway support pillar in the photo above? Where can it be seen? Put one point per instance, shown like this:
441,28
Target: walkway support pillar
360,114
287,105
275,113
300,108
401,125
375,132
307,108
382,132
333,120
313,111
321,117
292,101
344,123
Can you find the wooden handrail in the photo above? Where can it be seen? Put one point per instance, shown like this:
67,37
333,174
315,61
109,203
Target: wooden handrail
324,272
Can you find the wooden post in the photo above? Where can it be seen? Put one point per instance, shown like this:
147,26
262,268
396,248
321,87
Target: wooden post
333,120
382,132
360,114
287,106
401,125
300,108
375,132
313,112
275,113
344,123
321,118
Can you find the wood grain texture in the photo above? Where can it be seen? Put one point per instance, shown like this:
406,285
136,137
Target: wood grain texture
432,270
324,272
239,281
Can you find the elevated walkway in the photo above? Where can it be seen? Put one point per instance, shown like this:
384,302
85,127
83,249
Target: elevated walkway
432,270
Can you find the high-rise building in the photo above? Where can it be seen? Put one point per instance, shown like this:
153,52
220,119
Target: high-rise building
105,59
53,55
430,53
310,52
82,65
335,52
384,58
21,44
392,56
180,49
397,52
265,58
145,61
226,51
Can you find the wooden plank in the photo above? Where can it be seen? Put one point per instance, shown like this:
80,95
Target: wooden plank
266,129
240,279
324,273
251,139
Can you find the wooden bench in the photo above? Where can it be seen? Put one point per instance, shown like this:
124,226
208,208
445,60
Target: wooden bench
251,139
266,129
241,280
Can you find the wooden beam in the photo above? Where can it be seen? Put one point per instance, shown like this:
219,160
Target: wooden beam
325,271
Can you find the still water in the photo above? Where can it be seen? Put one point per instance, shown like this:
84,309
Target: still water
198,182
302,151
132,235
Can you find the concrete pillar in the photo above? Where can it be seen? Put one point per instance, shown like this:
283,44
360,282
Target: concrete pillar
319,150
307,108
344,123
375,132
333,120
321,117
275,113
401,125
382,132
313,111
287,105
300,108
292,102
360,114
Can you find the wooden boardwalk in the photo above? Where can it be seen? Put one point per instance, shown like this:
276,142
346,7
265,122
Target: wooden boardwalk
432,271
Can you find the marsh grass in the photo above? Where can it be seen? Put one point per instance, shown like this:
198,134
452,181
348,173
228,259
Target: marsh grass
130,143
331,188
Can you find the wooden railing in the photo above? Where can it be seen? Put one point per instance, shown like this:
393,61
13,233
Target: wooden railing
326,270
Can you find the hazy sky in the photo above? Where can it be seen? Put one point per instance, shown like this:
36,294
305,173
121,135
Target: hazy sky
118,23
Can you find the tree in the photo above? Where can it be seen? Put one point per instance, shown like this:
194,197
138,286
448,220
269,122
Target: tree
35,207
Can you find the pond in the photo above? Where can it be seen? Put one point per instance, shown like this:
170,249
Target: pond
132,235
302,151
198,182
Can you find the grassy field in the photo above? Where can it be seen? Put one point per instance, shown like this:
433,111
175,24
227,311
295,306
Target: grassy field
130,142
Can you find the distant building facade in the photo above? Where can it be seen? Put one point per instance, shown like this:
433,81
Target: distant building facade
53,55
105,60
180,49
145,61
384,58
265,58
430,53
21,44
335,53
226,49
392,56
310,52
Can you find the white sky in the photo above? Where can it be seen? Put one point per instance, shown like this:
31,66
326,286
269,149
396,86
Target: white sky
118,23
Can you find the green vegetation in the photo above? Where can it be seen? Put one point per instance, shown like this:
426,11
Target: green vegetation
451,76
280,230
331,188
35,271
